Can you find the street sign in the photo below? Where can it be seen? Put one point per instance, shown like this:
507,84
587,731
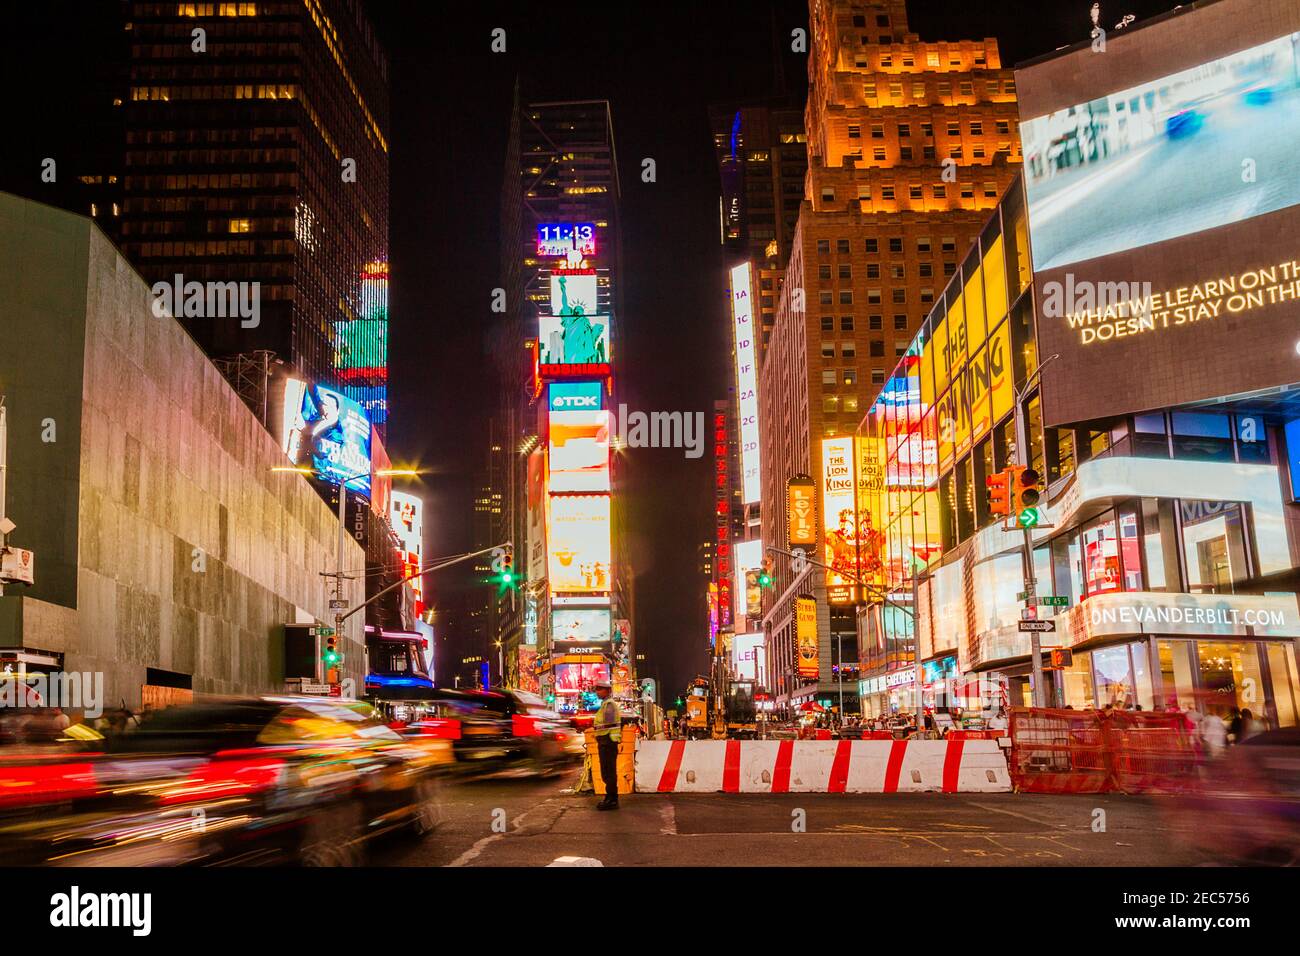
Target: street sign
324,631
338,605
1055,600
315,689
1037,626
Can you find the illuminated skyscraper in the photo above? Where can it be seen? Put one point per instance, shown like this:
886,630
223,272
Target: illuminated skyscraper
264,158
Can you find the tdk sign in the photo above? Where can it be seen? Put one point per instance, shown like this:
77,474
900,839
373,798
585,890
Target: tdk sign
575,396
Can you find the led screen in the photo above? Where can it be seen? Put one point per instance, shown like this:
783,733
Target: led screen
576,678
583,625
1162,182
572,343
1164,158
327,432
566,240
579,451
577,535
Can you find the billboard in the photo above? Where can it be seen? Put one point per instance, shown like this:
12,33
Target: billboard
582,625
571,240
748,556
327,432
742,317
801,511
574,292
536,552
572,345
576,678
747,657
575,397
805,631
528,670
579,451
577,534
1163,189
840,519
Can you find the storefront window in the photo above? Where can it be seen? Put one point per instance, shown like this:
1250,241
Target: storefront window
1140,654
1159,542
1101,563
1178,685
1129,549
1076,683
1286,685
1214,545
1114,679
1230,676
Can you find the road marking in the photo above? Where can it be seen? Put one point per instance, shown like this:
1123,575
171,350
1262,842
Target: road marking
1022,816
575,861
668,813
482,844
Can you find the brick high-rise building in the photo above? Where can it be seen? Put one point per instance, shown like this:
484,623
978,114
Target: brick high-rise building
910,145
257,151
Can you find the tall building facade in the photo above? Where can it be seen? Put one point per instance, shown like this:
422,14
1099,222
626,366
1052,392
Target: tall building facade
910,144
762,161
257,152
557,357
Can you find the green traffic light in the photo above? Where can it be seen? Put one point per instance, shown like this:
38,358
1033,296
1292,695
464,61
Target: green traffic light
1028,518
332,657
765,580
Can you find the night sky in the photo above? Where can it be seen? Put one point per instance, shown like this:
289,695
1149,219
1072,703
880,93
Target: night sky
660,65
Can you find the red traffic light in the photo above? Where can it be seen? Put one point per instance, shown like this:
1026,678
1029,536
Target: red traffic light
999,488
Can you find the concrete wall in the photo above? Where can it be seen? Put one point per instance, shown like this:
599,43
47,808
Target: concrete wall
190,551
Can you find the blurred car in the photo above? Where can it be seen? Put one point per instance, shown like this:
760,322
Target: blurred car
247,780
1247,807
508,729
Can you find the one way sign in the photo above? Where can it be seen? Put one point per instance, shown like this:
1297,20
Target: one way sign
1037,625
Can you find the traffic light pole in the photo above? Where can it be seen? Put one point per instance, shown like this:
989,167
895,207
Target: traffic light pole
1031,592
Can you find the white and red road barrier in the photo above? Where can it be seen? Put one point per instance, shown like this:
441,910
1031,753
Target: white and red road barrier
821,766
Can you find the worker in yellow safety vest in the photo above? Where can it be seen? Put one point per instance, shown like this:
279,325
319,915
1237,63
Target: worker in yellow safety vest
608,736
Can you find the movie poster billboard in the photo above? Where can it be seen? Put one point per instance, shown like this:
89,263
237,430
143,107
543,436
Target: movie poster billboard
578,539
528,670
839,519
327,432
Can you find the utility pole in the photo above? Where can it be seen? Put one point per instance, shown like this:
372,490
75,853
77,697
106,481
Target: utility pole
1031,594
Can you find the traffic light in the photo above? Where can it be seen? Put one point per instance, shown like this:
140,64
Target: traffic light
765,574
332,656
1027,492
503,568
999,487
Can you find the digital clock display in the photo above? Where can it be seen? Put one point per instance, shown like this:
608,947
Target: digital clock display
570,239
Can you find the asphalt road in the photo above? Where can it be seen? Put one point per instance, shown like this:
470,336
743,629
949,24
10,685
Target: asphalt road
538,822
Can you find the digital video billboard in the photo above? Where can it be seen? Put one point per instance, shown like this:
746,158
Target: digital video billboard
328,432
572,345
747,657
578,444
580,625
1163,187
578,543
840,519
576,678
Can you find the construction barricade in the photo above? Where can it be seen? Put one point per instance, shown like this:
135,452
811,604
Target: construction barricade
817,766
1090,751
1058,751
591,779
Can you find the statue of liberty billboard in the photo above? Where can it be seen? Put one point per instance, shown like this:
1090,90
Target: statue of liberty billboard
578,341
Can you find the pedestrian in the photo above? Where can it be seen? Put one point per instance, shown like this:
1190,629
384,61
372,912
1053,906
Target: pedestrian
1215,734
1250,724
607,728
1234,725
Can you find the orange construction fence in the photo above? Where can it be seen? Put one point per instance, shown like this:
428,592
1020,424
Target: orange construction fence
1091,751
